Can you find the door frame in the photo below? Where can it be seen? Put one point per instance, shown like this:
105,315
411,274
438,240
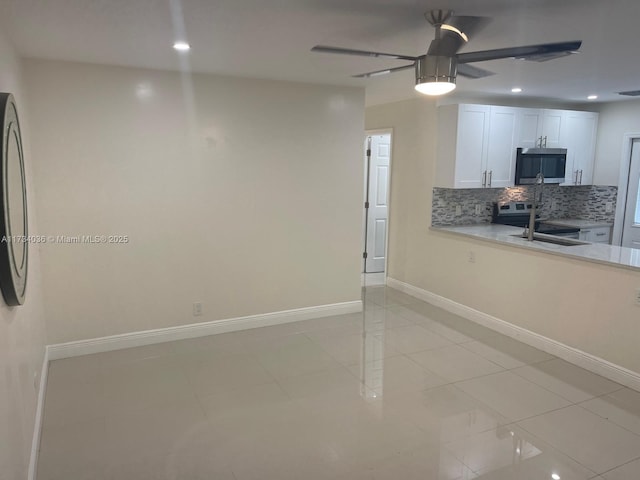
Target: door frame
368,133
623,186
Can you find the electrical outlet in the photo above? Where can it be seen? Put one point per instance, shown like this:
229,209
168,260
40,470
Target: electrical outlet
478,209
197,309
472,256
458,210
608,207
638,297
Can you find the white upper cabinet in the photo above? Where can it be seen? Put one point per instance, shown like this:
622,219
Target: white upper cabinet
477,143
463,137
529,128
579,138
539,128
476,146
503,130
553,125
472,146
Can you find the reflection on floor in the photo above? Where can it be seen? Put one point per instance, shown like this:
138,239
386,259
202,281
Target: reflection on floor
401,391
373,279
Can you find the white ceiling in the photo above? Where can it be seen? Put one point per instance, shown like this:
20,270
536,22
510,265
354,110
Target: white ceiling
272,38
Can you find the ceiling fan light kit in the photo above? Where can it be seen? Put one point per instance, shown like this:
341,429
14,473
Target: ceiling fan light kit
436,75
437,70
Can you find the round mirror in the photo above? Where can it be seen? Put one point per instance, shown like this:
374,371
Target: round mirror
13,197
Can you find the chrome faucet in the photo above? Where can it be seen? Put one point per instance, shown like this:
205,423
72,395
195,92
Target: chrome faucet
537,202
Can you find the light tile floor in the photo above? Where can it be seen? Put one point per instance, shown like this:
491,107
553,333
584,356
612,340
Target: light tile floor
402,391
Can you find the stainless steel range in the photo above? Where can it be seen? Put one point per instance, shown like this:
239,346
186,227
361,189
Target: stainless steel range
517,214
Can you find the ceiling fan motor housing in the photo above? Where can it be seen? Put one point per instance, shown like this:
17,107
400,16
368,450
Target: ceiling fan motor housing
436,68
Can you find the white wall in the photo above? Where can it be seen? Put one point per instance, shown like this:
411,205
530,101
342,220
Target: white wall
414,140
244,195
584,305
22,330
616,119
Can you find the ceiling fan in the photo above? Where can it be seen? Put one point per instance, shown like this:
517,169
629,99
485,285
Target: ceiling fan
437,70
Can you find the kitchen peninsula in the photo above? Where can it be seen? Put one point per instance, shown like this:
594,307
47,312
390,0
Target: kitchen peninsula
611,255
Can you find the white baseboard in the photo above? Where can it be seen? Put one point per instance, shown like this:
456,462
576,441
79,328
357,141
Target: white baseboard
161,335
37,428
582,359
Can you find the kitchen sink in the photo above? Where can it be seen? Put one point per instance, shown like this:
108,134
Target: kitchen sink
564,241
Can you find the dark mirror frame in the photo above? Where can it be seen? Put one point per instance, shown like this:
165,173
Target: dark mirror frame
13,271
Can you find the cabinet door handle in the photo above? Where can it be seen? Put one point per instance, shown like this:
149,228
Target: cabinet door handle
600,234
580,177
484,178
545,141
540,141
490,175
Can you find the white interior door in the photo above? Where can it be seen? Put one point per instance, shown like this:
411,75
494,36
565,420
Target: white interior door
631,227
378,211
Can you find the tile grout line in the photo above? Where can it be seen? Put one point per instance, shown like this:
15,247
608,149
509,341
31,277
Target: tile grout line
605,418
511,368
562,451
450,452
551,444
556,393
621,465
470,339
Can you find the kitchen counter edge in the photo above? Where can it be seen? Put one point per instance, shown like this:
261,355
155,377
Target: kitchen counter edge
611,255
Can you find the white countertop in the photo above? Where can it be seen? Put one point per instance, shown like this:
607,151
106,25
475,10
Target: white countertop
577,223
593,252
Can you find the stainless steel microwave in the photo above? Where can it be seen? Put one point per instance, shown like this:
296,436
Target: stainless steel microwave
551,162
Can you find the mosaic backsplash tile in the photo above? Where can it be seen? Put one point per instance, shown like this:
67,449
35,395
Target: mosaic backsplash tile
587,202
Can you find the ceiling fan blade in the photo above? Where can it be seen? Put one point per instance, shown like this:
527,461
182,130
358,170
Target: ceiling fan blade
537,53
385,71
471,71
362,53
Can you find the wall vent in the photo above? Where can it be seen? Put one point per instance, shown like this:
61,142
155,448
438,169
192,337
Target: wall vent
631,93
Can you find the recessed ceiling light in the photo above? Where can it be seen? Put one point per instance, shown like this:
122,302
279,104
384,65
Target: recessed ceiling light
555,476
516,90
592,97
182,46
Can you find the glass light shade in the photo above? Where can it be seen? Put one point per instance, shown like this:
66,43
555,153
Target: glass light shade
435,88
182,46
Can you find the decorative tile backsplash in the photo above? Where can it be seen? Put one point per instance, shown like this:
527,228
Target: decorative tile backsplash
586,202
